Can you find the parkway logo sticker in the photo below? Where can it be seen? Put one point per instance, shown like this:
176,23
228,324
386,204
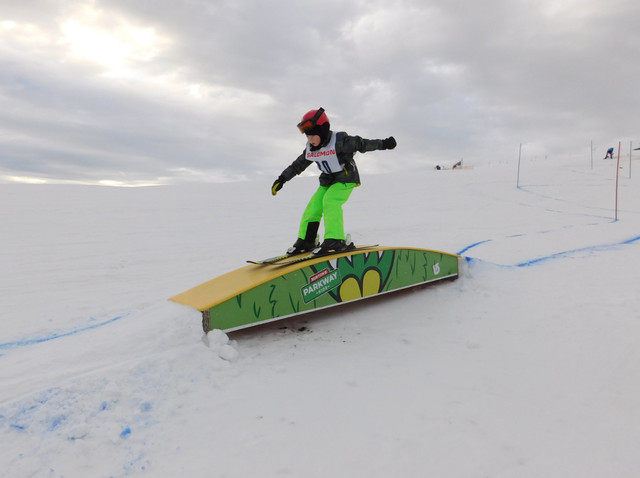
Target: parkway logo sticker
320,284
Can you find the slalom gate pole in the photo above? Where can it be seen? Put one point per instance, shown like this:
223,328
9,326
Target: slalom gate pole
617,176
519,156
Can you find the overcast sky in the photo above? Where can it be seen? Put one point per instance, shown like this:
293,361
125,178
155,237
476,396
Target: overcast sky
148,91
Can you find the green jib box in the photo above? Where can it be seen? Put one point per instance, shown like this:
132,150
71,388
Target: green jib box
257,294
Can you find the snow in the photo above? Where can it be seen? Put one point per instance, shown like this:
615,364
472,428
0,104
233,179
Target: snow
527,365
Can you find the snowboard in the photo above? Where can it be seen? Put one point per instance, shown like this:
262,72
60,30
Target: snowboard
308,256
293,258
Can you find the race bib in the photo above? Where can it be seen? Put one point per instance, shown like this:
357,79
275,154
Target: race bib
325,157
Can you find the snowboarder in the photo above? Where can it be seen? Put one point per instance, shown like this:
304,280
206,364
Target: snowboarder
609,154
333,154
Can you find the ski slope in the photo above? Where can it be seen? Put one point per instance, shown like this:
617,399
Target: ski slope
527,365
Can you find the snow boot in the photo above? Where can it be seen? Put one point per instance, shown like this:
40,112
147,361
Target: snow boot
301,246
309,243
330,246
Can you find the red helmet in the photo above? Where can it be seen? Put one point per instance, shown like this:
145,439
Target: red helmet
311,119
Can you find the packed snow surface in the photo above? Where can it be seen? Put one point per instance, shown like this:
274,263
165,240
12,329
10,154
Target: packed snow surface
528,365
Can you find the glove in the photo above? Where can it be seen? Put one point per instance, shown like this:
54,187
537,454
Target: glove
277,185
389,143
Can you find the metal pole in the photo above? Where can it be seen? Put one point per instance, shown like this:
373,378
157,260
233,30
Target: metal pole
617,175
519,156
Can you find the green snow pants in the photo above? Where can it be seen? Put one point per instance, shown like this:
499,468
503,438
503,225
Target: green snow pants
327,200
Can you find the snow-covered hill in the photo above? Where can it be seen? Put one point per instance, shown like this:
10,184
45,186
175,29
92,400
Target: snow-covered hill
526,366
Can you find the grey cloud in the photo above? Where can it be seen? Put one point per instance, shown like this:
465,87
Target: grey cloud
221,94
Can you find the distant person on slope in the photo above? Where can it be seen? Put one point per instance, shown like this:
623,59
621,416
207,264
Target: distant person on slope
609,154
333,154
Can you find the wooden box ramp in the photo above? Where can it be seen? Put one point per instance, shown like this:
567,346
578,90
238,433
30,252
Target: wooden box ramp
256,294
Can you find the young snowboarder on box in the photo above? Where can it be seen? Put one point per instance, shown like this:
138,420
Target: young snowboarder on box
333,154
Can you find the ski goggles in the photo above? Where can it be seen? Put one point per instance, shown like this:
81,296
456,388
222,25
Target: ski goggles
306,125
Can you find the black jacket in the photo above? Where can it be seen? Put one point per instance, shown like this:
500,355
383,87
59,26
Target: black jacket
346,147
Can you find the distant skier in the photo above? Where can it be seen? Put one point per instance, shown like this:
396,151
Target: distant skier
333,154
609,154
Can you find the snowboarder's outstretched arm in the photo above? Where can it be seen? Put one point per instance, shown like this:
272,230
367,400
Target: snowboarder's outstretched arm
295,168
351,144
